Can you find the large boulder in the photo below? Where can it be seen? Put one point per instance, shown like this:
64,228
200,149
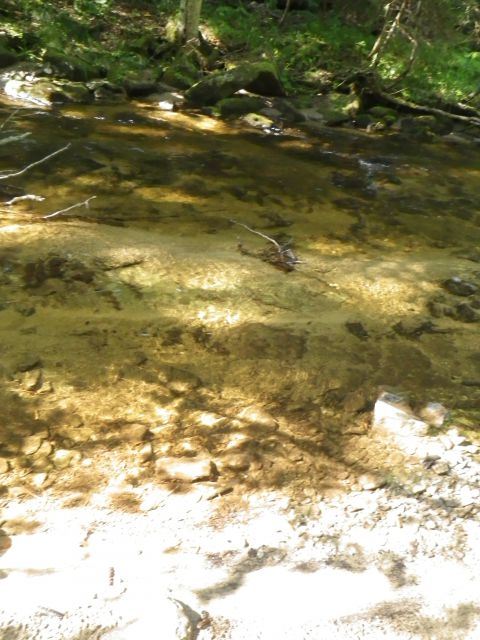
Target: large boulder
257,77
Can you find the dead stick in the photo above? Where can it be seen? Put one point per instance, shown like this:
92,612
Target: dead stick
73,206
9,118
258,233
34,164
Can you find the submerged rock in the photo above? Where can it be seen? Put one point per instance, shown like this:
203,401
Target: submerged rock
460,287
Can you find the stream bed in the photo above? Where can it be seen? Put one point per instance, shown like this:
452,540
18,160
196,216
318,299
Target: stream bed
199,306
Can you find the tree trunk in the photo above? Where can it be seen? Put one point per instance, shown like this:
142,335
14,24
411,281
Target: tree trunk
191,10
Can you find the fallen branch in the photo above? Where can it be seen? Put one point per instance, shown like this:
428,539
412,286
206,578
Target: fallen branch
369,93
9,118
258,233
20,136
85,203
28,196
34,164
283,257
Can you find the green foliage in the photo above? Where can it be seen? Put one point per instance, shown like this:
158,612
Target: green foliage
331,38
320,41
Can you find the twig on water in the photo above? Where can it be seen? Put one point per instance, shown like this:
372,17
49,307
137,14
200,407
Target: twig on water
34,164
85,203
16,138
258,233
14,113
284,258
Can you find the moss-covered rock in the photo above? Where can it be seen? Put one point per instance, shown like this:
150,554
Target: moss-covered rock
181,73
257,77
239,105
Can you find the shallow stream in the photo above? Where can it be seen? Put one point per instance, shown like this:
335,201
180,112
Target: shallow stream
230,289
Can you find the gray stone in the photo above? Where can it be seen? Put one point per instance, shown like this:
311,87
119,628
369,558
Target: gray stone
460,287
466,313
240,105
168,100
441,468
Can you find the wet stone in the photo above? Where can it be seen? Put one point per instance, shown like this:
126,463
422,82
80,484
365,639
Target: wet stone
33,380
413,327
258,417
357,329
460,287
179,381
32,444
467,313
134,432
28,362
235,462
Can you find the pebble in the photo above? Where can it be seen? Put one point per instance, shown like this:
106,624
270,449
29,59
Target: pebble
258,417
460,287
434,413
63,458
31,444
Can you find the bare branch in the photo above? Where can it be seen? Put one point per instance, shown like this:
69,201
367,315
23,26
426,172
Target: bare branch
285,11
28,196
14,113
85,203
258,233
34,164
20,136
